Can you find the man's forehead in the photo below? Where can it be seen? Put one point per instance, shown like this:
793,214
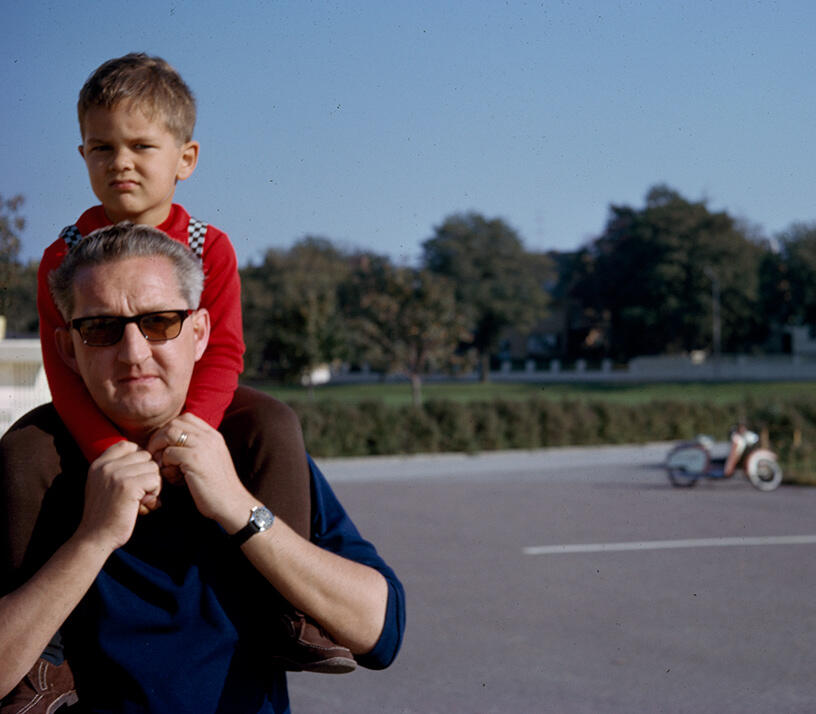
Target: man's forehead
127,286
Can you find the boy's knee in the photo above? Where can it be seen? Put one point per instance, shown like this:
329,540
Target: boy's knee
254,413
29,445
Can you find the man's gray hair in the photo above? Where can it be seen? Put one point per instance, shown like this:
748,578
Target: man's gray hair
125,240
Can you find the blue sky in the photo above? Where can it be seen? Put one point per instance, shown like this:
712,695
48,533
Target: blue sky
369,122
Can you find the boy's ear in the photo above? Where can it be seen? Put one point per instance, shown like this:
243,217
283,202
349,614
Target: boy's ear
65,348
188,160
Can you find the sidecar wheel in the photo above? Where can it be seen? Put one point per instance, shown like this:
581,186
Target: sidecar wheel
685,464
765,474
681,478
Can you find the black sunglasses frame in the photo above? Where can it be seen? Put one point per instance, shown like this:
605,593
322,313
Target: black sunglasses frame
122,322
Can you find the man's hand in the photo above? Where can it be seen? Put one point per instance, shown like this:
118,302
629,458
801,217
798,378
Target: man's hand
198,451
119,481
347,598
123,482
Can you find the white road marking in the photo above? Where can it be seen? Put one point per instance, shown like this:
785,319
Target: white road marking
668,544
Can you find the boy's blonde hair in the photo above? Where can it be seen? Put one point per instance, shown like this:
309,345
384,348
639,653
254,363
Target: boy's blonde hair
150,83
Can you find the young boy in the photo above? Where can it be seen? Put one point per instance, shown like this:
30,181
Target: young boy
136,117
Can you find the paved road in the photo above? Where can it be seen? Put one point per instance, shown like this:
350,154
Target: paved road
708,627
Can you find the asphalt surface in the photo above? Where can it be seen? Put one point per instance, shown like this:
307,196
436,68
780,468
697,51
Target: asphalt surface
706,627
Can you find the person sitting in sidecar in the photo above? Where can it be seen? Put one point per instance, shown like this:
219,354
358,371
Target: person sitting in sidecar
741,438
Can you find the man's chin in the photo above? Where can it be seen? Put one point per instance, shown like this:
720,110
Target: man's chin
142,416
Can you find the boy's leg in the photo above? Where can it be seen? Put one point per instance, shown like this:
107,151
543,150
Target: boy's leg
266,443
29,464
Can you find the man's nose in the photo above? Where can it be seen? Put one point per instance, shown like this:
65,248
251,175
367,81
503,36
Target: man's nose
133,347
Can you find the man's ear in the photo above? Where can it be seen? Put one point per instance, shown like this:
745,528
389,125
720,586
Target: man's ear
188,160
201,331
65,348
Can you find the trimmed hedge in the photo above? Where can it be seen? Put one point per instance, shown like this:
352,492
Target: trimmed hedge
333,428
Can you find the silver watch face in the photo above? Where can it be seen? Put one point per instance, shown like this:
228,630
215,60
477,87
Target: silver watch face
262,518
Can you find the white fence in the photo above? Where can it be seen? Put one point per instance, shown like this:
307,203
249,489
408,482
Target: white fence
22,380
727,368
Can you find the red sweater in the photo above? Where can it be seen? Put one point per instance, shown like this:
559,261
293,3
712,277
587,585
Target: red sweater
216,374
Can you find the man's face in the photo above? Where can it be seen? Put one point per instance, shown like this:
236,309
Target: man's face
139,385
134,162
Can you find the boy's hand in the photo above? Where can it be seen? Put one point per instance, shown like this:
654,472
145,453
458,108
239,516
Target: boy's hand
121,483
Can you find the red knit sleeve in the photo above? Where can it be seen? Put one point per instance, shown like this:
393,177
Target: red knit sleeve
215,377
91,429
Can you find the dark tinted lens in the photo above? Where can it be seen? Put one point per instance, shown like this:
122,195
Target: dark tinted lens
161,325
100,331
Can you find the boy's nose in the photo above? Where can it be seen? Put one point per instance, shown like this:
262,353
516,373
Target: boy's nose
121,160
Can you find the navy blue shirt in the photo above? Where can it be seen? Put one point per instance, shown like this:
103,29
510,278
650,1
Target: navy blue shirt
179,620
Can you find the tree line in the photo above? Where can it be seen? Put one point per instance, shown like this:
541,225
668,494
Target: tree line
314,304
662,278
668,277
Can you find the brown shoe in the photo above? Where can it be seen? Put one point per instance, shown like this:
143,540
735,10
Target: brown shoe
45,689
307,648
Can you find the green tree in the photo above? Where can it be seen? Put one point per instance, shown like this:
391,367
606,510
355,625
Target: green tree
18,281
22,318
292,323
11,225
498,283
789,276
403,320
654,272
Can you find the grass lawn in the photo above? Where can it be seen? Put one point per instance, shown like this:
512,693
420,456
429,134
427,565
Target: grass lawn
400,393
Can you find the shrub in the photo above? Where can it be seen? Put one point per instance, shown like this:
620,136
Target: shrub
518,424
336,429
419,433
455,424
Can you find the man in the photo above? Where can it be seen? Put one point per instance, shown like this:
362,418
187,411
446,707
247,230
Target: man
169,611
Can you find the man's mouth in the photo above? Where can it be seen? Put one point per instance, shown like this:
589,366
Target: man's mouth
137,380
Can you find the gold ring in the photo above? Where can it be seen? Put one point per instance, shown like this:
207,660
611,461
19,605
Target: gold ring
182,440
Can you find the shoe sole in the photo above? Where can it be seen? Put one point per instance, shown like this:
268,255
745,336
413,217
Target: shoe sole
332,665
67,699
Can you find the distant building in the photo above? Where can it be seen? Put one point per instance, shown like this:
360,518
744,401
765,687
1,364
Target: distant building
802,340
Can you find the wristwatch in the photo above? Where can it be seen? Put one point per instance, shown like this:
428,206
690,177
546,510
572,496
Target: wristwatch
260,518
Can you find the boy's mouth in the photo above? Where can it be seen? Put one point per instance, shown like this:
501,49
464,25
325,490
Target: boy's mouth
123,185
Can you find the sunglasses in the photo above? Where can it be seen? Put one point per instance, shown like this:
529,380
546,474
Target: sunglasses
106,330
